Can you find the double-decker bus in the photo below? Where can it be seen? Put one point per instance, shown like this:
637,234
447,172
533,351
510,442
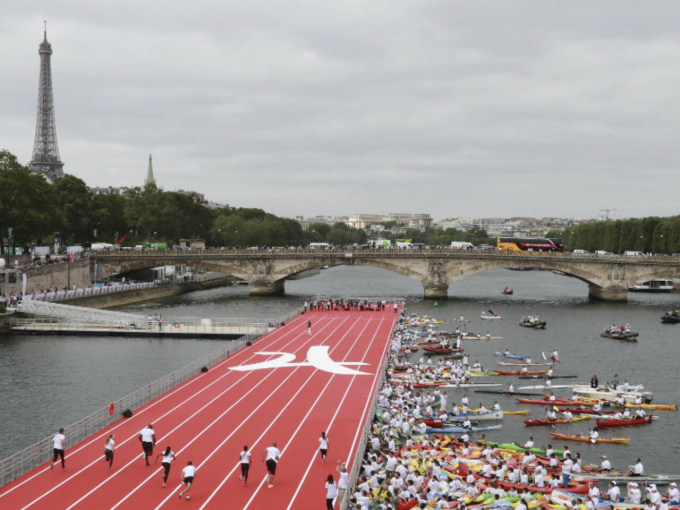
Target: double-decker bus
530,244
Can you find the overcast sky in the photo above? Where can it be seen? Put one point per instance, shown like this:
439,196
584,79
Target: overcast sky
452,108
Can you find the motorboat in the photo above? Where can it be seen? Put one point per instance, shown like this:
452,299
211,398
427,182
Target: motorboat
672,317
507,291
658,285
490,315
530,322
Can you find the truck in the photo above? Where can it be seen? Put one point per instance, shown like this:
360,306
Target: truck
462,245
379,243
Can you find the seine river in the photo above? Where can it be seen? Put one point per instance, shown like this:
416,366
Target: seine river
51,381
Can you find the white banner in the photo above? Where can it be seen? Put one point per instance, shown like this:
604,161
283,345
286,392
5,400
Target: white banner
23,286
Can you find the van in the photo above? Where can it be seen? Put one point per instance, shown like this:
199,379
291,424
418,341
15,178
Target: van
603,253
581,252
634,254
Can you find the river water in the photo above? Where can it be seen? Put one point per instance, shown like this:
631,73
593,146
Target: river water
50,381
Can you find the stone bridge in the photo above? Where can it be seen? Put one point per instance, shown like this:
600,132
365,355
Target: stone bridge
266,271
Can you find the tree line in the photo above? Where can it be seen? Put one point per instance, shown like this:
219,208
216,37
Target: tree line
35,210
648,235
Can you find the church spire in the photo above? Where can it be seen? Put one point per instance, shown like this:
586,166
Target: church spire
149,174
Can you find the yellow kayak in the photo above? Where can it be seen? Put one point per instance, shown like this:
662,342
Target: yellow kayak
658,407
516,412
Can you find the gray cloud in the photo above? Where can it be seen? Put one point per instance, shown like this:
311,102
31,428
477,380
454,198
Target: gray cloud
453,108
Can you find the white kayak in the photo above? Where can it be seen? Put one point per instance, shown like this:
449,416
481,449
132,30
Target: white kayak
471,385
552,387
520,364
621,477
612,395
490,317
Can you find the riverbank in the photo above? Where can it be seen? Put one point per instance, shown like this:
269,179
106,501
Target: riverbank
129,297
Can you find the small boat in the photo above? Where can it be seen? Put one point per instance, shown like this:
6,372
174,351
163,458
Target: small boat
612,395
506,392
625,423
621,477
471,385
526,411
630,336
672,317
551,387
545,421
519,372
583,410
526,323
511,356
458,430
491,316
553,377
586,439
439,350
557,402
522,363
658,285
507,291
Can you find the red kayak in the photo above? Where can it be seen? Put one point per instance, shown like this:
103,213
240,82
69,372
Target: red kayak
583,410
624,423
519,372
576,488
533,423
440,350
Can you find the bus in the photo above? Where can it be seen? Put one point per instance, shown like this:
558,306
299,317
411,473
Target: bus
321,246
530,244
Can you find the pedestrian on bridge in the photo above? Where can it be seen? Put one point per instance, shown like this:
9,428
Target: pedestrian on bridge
58,442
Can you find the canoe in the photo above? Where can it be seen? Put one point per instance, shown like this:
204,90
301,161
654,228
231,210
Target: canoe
458,430
521,363
502,392
553,377
624,423
545,421
518,372
586,439
526,411
558,402
511,356
438,350
621,477
518,448
471,385
490,317
544,387
583,411
605,403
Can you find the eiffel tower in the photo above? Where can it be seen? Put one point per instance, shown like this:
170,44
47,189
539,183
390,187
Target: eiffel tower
45,149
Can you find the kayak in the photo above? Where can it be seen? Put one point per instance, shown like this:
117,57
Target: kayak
440,350
516,412
624,423
605,403
586,439
518,372
471,385
536,324
505,392
457,430
511,356
583,411
553,377
545,421
518,448
521,363
621,476
557,402
490,317
543,387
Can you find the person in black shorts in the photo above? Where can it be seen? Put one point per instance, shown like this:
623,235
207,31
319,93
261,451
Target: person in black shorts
271,455
244,457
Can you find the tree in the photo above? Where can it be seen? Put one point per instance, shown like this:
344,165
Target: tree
75,203
27,203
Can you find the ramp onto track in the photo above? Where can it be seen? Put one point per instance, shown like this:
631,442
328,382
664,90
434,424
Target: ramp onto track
78,313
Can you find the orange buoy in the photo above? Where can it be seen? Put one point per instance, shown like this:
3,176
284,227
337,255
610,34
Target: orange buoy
112,408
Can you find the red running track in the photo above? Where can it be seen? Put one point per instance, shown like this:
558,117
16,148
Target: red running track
208,420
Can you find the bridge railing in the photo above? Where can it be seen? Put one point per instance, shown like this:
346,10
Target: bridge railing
385,252
32,457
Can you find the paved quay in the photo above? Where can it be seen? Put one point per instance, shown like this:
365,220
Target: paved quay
286,388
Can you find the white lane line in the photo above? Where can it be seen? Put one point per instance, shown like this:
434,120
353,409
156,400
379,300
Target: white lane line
290,441
149,407
82,470
291,400
368,399
204,430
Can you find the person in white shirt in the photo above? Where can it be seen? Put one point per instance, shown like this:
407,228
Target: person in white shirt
593,491
673,494
594,435
606,465
58,448
168,456
634,493
109,448
331,492
148,439
244,457
566,470
271,455
343,481
636,470
613,493
187,477
323,447
529,443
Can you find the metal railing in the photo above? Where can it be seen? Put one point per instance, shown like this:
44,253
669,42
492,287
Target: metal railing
30,458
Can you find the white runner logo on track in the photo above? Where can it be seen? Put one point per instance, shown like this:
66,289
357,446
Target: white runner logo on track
317,357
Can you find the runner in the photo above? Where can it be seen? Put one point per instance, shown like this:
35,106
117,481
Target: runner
323,447
245,465
271,455
168,456
309,328
148,438
109,448
331,491
58,441
187,478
